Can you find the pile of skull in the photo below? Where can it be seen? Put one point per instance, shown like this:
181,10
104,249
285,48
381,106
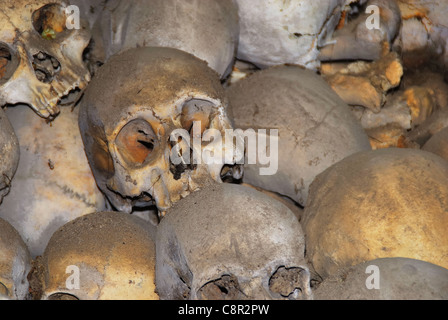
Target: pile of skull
350,95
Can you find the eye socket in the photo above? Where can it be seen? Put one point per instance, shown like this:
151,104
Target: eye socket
62,296
8,63
196,110
288,282
136,142
50,20
224,288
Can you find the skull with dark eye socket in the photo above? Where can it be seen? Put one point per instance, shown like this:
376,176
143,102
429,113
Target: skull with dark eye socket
230,242
41,54
137,103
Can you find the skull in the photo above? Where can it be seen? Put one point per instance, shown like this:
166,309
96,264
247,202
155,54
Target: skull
53,183
119,266
228,241
391,279
378,204
315,127
15,263
40,58
275,32
10,153
127,117
191,26
357,40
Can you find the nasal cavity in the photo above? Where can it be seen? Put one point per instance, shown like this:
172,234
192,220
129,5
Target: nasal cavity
232,173
45,67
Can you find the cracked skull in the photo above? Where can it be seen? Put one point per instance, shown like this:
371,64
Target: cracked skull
149,23
315,127
128,115
277,32
40,57
249,246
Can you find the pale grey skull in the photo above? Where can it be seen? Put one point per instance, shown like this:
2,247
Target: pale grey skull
229,241
41,59
15,263
207,29
138,99
275,32
315,127
9,153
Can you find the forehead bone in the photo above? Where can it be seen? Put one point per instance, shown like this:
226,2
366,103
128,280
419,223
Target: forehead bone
149,78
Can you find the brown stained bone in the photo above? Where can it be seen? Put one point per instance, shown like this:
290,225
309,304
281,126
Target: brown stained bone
366,84
354,41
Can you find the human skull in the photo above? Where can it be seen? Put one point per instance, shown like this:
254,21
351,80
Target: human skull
228,241
207,29
112,253
315,127
378,204
10,153
15,263
53,183
276,32
386,279
40,58
138,99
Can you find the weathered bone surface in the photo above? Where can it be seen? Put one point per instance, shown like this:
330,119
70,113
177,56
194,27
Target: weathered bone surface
424,33
128,114
9,153
209,30
54,183
355,41
40,58
378,204
228,241
15,263
276,32
397,279
366,84
114,253
316,128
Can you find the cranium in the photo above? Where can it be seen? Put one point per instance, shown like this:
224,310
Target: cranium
228,241
386,279
112,253
315,127
275,32
127,117
10,153
40,58
424,32
378,204
15,263
207,29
